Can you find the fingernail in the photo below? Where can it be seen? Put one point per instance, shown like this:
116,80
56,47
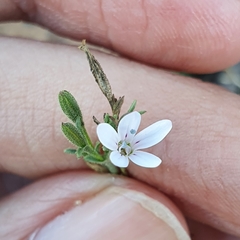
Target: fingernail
114,213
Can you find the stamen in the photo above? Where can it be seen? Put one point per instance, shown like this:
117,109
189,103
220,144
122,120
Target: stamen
125,148
123,152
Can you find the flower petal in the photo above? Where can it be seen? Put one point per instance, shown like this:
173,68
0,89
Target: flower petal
152,134
128,126
119,160
108,136
145,159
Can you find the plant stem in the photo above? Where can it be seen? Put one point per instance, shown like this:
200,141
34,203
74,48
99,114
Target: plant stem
86,137
112,169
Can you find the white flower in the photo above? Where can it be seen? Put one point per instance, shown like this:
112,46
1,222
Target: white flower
126,143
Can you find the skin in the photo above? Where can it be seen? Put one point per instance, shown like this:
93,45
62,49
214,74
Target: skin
200,169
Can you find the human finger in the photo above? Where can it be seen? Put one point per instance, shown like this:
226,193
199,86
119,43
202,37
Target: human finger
89,206
200,156
195,36
201,231
197,230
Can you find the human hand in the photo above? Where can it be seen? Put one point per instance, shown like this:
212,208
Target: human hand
200,157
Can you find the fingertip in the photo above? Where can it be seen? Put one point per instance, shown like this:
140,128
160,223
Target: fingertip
192,36
116,212
92,206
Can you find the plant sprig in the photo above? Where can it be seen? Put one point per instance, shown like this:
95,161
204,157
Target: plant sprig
96,156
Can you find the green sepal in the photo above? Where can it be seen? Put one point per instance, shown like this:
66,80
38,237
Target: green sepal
132,107
70,151
73,134
69,106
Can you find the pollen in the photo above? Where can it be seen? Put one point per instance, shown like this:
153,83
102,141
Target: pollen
132,131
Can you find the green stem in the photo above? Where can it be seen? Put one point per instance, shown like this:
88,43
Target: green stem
86,137
112,169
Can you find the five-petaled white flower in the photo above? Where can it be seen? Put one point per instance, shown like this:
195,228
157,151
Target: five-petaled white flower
125,143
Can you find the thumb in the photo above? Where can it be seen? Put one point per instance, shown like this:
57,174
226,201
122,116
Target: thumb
89,206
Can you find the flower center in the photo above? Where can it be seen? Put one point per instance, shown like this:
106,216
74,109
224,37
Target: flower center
124,148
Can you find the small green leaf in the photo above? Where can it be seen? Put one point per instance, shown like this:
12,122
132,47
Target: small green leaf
92,159
72,134
106,117
132,107
79,152
70,151
69,106
88,151
142,112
